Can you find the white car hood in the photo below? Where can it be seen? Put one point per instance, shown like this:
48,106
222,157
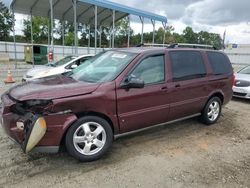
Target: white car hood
37,69
51,71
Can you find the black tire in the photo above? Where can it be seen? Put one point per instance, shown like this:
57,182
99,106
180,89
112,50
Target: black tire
206,119
70,144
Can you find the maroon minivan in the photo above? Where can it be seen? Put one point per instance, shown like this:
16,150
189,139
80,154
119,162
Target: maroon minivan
120,91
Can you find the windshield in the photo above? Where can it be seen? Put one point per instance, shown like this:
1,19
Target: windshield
102,67
61,61
245,70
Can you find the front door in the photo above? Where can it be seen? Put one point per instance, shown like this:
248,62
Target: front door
141,107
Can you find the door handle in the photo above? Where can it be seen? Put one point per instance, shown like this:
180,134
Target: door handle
164,88
177,85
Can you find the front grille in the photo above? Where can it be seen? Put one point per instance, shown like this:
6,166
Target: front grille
239,94
242,83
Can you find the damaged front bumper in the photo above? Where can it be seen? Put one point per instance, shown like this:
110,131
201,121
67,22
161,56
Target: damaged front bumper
34,132
34,128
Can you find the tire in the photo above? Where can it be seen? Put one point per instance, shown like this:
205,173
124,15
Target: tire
212,111
89,138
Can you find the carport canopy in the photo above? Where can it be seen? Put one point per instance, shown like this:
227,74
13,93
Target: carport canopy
90,12
64,10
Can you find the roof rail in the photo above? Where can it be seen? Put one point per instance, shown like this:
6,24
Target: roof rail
152,45
186,45
178,45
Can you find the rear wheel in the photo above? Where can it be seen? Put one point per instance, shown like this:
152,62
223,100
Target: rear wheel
212,111
89,138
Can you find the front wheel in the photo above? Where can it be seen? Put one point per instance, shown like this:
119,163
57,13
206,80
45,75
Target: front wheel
212,111
89,138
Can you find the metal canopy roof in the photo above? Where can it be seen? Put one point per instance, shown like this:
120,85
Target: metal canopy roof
63,10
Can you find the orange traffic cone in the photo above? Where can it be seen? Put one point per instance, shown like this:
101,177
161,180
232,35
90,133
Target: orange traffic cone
9,78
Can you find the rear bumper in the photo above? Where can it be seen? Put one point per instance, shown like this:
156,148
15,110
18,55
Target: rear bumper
241,92
57,126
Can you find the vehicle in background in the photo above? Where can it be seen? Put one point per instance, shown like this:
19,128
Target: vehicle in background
121,91
38,68
241,86
64,65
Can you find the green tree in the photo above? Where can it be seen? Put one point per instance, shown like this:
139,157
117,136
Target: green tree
69,39
40,29
6,22
190,36
121,33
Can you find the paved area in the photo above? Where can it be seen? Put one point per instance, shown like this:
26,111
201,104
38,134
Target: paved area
184,154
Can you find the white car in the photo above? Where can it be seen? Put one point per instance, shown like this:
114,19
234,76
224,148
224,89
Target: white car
65,65
241,86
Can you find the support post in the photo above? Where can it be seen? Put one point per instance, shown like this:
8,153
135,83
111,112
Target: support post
63,34
89,41
164,37
128,31
113,30
31,33
14,37
110,37
142,28
153,23
75,28
100,32
95,28
52,25
48,34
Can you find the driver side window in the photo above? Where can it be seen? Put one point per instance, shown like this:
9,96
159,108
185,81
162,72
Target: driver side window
151,69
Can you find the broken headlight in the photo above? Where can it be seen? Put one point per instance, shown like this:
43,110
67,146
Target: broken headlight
36,106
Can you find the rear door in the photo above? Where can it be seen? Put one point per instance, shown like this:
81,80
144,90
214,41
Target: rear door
221,78
141,107
189,83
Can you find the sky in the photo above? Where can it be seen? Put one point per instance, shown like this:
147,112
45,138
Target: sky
207,15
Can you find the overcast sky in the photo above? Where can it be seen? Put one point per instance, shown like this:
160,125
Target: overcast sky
209,15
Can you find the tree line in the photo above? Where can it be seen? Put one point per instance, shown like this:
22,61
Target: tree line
42,26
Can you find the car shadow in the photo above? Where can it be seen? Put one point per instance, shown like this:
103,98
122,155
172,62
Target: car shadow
242,100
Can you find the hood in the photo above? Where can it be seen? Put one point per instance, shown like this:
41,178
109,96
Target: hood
245,77
53,87
38,68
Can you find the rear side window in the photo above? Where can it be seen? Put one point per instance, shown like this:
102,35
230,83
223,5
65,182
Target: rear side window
187,65
220,64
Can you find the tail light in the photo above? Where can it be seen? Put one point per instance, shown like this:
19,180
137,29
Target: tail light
233,80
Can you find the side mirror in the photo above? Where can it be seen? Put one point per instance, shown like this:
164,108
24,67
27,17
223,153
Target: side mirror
132,82
73,66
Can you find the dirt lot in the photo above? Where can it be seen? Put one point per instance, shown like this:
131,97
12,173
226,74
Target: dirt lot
184,154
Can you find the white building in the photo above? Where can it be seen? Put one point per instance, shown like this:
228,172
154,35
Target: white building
238,53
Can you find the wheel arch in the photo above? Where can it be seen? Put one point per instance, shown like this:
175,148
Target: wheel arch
88,113
217,94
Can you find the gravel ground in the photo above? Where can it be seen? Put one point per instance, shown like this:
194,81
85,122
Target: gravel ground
184,154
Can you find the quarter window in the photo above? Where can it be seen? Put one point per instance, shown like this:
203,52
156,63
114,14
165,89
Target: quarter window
220,64
150,70
187,65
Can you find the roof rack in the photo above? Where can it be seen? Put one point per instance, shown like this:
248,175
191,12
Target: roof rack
152,45
186,45
178,45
